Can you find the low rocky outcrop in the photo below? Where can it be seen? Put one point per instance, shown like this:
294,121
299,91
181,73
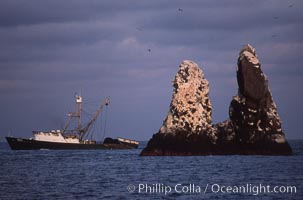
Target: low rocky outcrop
254,126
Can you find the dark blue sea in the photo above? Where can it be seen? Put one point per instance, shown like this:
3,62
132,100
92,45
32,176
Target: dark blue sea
122,174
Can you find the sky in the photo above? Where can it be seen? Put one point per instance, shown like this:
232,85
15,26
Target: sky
131,50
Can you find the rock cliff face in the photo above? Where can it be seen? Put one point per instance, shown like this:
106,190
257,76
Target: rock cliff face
254,126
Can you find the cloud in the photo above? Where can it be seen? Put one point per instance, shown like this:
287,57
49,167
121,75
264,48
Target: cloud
131,51
16,13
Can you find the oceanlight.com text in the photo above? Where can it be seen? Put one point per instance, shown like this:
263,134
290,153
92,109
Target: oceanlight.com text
252,189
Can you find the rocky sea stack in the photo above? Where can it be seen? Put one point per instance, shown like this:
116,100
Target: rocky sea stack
187,128
254,127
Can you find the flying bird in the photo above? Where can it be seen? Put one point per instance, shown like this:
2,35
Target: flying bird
149,50
291,5
180,9
139,29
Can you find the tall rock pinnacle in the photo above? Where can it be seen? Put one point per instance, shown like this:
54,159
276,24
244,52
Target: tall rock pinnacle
187,127
190,107
254,126
253,111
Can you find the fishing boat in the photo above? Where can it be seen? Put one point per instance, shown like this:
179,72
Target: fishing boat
71,139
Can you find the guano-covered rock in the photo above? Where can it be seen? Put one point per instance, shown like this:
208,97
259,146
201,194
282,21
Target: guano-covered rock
253,128
187,125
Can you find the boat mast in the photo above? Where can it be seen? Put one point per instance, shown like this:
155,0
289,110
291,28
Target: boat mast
79,112
76,114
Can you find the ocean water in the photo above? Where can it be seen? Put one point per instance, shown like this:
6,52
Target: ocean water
122,174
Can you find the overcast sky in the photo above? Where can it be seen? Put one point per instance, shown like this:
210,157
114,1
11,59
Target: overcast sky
131,50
